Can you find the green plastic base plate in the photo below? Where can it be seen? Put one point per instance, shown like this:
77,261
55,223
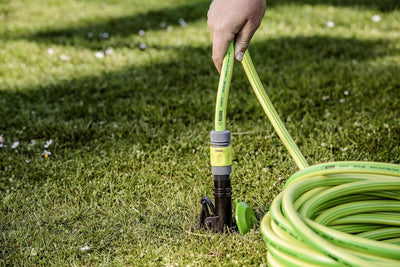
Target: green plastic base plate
245,217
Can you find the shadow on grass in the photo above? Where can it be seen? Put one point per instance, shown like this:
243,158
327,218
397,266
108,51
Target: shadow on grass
320,48
382,5
122,27
154,103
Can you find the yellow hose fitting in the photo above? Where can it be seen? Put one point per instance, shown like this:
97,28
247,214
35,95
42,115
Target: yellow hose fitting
221,156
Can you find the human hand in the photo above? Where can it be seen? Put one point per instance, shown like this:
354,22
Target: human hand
233,20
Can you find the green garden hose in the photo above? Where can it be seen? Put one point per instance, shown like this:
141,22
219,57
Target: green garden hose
223,90
332,214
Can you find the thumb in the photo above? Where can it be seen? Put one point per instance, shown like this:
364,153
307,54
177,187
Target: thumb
242,40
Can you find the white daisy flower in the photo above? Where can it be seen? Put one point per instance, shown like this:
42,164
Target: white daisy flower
330,24
376,18
105,35
109,51
99,54
182,22
142,46
48,143
46,153
85,248
64,57
15,145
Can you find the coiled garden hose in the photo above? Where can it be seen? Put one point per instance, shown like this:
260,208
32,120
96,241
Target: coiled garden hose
332,214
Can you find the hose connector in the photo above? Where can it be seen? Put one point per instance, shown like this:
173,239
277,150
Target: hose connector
221,153
218,217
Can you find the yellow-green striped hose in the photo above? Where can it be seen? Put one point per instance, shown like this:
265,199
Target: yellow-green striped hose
333,214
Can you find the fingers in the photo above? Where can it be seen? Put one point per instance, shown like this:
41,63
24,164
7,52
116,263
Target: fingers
245,34
221,42
222,39
233,19
242,40
221,26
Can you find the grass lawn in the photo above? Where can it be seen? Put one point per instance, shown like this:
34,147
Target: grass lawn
106,108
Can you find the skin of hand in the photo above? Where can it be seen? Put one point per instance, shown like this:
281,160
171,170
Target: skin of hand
233,19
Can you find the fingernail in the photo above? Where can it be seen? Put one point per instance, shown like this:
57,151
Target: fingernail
239,56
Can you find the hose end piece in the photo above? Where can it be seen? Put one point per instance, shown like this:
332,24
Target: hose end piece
245,217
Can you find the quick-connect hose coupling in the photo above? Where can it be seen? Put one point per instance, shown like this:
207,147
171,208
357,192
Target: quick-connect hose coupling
221,163
221,153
